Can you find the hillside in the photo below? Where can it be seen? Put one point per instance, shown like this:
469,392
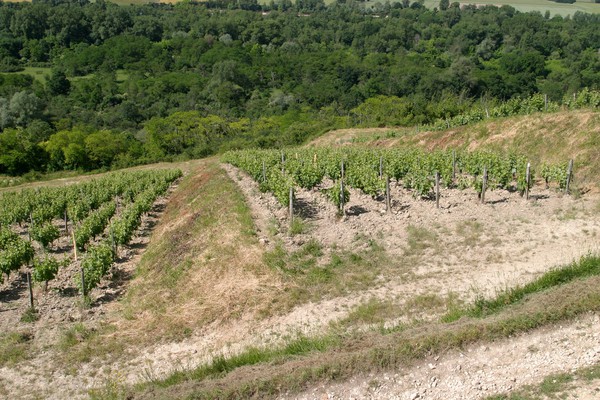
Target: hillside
224,297
555,137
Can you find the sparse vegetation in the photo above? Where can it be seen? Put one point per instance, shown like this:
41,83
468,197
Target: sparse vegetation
310,278
470,232
14,347
30,315
555,386
420,239
585,267
297,227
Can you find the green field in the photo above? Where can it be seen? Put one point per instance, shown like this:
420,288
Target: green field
540,6
38,73
522,5
534,5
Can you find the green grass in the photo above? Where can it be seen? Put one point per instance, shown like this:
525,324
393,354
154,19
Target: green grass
40,74
379,311
10,182
470,232
585,267
81,343
220,365
121,76
297,227
30,315
73,336
420,239
373,311
14,347
311,275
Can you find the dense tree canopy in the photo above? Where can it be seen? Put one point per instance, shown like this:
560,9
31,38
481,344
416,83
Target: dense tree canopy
130,84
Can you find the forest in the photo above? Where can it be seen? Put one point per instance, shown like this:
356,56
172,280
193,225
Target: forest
116,86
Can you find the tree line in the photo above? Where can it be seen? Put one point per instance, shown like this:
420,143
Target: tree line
127,84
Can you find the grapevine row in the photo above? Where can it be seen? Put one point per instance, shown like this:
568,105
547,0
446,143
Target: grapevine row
14,252
92,204
364,169
99,258
77,201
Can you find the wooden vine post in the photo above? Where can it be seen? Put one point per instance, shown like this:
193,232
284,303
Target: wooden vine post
380,167
282,163
437,189
82,282
569,176
113,244
453,165
29,286
264,172
484,184
342,199
388,197
545,102
81,269
66,223
74,244
30,225
527,180
291,204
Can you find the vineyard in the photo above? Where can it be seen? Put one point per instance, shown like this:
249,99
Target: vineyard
421,172
81,225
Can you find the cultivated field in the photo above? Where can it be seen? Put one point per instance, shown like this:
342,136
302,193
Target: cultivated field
220,295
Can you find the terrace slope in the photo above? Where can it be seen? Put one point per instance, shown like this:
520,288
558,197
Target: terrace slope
546,137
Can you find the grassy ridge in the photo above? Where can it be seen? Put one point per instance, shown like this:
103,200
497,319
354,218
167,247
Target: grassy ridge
586,266
204,263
